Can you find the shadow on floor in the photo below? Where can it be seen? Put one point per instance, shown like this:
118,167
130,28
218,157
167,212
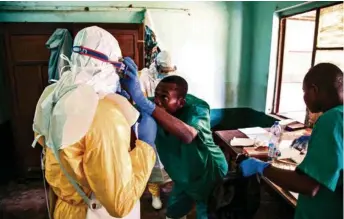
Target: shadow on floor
26,200
148,212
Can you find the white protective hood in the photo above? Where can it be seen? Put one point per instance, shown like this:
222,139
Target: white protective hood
66,109
150,77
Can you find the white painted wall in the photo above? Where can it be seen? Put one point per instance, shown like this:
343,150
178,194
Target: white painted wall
197,42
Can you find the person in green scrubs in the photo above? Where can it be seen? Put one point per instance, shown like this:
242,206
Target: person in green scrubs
184,142
186,148
319,177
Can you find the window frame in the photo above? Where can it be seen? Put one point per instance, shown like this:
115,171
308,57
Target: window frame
280,53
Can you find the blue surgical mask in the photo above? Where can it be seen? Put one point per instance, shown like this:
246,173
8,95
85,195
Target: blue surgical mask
160,76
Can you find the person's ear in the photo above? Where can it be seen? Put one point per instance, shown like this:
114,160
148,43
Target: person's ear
315,88
157,101
182,102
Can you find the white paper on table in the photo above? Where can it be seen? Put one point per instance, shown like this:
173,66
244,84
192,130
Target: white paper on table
263,139
286,122
298,158
285,144
242,142
257,134
253,131
293,154
288,153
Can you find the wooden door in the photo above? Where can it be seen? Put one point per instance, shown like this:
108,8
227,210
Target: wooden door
27,64
27,73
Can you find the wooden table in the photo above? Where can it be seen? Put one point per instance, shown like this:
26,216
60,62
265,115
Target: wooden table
223,138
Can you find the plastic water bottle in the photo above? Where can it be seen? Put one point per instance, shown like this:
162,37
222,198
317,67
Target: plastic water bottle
275,137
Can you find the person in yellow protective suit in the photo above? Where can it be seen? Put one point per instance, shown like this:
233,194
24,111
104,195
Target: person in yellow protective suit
149,79
85,129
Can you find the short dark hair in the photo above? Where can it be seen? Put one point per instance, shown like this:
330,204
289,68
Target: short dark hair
181,83
326,76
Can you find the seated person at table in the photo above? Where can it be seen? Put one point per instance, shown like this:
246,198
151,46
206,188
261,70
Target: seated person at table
318,178
184,142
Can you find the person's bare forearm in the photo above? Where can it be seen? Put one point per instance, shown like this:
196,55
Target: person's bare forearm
174,126
293,181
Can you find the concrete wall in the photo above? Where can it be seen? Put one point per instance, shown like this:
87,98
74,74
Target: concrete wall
222,48
197,42
262,16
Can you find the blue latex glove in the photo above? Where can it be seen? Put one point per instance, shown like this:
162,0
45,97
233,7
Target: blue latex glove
132,84
251,166
147,129
303,138
123,93
301,143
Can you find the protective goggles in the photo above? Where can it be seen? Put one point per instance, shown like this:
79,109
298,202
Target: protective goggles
121,68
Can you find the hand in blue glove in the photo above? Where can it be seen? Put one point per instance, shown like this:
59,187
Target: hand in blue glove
251,166
132,84
147,129
123,93
301,143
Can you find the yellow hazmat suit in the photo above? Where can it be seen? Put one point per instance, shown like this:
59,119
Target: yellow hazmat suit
101,161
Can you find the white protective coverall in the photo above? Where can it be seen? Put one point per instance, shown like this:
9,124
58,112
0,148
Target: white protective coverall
88,126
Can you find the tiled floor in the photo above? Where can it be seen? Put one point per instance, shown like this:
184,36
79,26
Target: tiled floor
26,201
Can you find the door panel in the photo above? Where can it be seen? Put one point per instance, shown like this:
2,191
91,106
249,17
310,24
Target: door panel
25,55
29,48
28,80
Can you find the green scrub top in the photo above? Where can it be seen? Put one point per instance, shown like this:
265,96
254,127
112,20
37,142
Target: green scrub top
60,42
324,163
193,167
